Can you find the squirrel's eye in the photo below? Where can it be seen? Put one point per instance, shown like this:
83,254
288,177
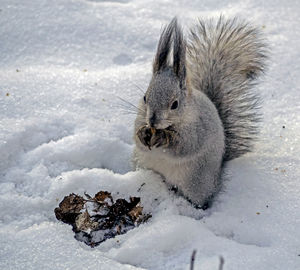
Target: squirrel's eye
145,99
174,105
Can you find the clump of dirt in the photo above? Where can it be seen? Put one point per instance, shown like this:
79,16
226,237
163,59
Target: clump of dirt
95,219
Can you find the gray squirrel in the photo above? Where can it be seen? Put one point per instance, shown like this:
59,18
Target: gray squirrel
199,110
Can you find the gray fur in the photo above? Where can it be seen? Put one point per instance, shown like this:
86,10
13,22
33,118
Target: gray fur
224,59
209,77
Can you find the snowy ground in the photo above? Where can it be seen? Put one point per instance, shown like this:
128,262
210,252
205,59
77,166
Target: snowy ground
63,65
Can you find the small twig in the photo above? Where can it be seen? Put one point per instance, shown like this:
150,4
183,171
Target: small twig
193,259
141,187
92,200
221,263
88,196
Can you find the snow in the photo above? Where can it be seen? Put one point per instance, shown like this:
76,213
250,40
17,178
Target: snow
65,64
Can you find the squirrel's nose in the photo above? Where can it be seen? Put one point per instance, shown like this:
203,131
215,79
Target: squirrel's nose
152,120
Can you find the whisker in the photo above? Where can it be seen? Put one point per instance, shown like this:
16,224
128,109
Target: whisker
140,121
129,103
124,108
139,88
129,112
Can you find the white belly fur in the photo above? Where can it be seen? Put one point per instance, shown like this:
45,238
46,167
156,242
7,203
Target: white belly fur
174,170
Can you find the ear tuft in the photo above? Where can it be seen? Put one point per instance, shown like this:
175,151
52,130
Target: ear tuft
179,52
164,47
171,35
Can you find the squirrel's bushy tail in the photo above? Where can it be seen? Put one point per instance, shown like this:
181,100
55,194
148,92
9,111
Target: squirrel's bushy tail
224,59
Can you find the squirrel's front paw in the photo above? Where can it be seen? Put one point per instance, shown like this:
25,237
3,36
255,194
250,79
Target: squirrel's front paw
161,137
154,137
144,134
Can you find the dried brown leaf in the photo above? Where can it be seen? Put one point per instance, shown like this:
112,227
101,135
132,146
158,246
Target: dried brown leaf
103,197
135,213
83,222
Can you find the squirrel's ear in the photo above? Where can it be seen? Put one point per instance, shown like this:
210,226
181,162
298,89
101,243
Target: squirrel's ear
179,50
164,47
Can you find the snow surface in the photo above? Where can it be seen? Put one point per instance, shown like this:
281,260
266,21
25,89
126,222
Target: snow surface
63,66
